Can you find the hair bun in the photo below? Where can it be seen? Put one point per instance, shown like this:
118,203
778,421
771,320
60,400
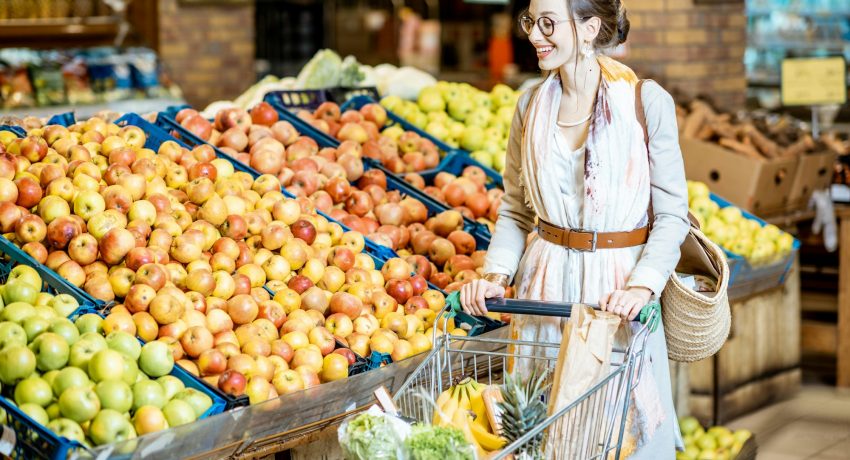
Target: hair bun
622,25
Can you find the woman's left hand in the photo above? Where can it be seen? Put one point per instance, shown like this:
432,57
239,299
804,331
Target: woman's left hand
626,303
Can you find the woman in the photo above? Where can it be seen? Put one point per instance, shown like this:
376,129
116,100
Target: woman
578,162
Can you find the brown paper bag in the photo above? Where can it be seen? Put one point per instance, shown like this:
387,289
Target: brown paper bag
583,360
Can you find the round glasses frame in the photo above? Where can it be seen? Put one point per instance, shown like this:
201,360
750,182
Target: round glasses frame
545,25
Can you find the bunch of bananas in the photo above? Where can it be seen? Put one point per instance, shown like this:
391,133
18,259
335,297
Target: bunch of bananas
462,406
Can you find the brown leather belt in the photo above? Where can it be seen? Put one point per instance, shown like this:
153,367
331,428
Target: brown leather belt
589,241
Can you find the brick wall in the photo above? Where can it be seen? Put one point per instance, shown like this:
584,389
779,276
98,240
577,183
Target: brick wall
695,49
208,49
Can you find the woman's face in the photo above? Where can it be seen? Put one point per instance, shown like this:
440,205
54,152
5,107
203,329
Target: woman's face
559,48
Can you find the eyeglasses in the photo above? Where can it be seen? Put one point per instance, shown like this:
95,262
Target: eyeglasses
545,24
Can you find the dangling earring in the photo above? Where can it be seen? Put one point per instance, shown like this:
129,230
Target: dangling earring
587,50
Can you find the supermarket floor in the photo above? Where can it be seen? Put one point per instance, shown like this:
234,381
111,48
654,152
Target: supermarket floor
813,425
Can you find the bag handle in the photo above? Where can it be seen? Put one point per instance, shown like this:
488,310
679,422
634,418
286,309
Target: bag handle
640,114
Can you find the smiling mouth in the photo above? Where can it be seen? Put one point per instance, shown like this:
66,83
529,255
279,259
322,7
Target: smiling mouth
544,51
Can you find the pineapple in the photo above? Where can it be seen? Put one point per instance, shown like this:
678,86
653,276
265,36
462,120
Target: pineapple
523,409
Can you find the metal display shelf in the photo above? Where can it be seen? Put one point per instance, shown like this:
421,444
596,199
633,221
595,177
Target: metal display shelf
85,111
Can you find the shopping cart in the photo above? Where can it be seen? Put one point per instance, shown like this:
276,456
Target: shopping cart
594,424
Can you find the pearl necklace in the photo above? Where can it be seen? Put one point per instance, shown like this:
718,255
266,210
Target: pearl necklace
564,124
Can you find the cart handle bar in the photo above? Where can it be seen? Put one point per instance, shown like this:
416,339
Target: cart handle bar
649,314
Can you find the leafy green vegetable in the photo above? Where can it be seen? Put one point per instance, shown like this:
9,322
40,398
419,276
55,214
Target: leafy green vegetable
369,437
350,74
322,71
428,442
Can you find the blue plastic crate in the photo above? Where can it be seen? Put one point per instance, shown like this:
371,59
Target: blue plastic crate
36,441
746,279
20,132
64,119
172,110
343,94
295,99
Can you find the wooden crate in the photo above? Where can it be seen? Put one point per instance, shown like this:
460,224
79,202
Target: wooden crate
760,362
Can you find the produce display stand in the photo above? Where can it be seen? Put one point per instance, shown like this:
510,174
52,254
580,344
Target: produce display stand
759,363
826,338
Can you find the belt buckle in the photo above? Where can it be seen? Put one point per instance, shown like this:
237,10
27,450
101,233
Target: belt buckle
593,240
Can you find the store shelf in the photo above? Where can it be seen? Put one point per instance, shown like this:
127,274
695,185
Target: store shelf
801,45
828,14
84,111
32,32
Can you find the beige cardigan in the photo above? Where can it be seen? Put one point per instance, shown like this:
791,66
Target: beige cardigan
668,191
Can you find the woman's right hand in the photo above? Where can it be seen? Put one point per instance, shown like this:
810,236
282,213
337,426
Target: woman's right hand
473,295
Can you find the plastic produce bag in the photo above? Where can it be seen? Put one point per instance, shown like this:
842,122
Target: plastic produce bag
373,435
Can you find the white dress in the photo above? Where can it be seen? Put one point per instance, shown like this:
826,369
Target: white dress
588,276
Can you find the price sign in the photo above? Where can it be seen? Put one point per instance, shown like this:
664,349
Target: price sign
814,81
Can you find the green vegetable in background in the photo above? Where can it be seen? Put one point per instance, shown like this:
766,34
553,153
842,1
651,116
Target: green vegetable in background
350,74
437,443
369,437
322,71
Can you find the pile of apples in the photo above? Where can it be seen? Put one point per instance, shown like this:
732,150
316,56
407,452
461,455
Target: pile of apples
192,248
463,116
399,150
467,194
84,380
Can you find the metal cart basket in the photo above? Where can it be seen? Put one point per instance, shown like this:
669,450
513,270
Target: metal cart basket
592,426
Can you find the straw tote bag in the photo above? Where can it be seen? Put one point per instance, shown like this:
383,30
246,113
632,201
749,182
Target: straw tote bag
696,323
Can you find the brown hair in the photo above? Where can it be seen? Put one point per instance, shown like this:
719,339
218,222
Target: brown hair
614,28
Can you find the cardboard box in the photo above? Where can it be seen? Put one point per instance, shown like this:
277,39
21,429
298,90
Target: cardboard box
762,187
814,172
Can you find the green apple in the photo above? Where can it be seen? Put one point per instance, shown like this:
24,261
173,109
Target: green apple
483,157
64,304
43,299
391,102
731,215
439,117
460,108
17,312
124,343
156,359
49,376
43,311
65,328
96,337
12,334
418,119
178,412
26,274
148,393
505,115
20,291
109,426
131,371
479,117
199,401
67,429
499,160
500,96
69,377
697,190
171,385
53,411
35,412
431,100
473,138
456,129
51,351
82,351
79,404
106,365
437,129
482,101
33,390
35,325
17,362
89,322
114,394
